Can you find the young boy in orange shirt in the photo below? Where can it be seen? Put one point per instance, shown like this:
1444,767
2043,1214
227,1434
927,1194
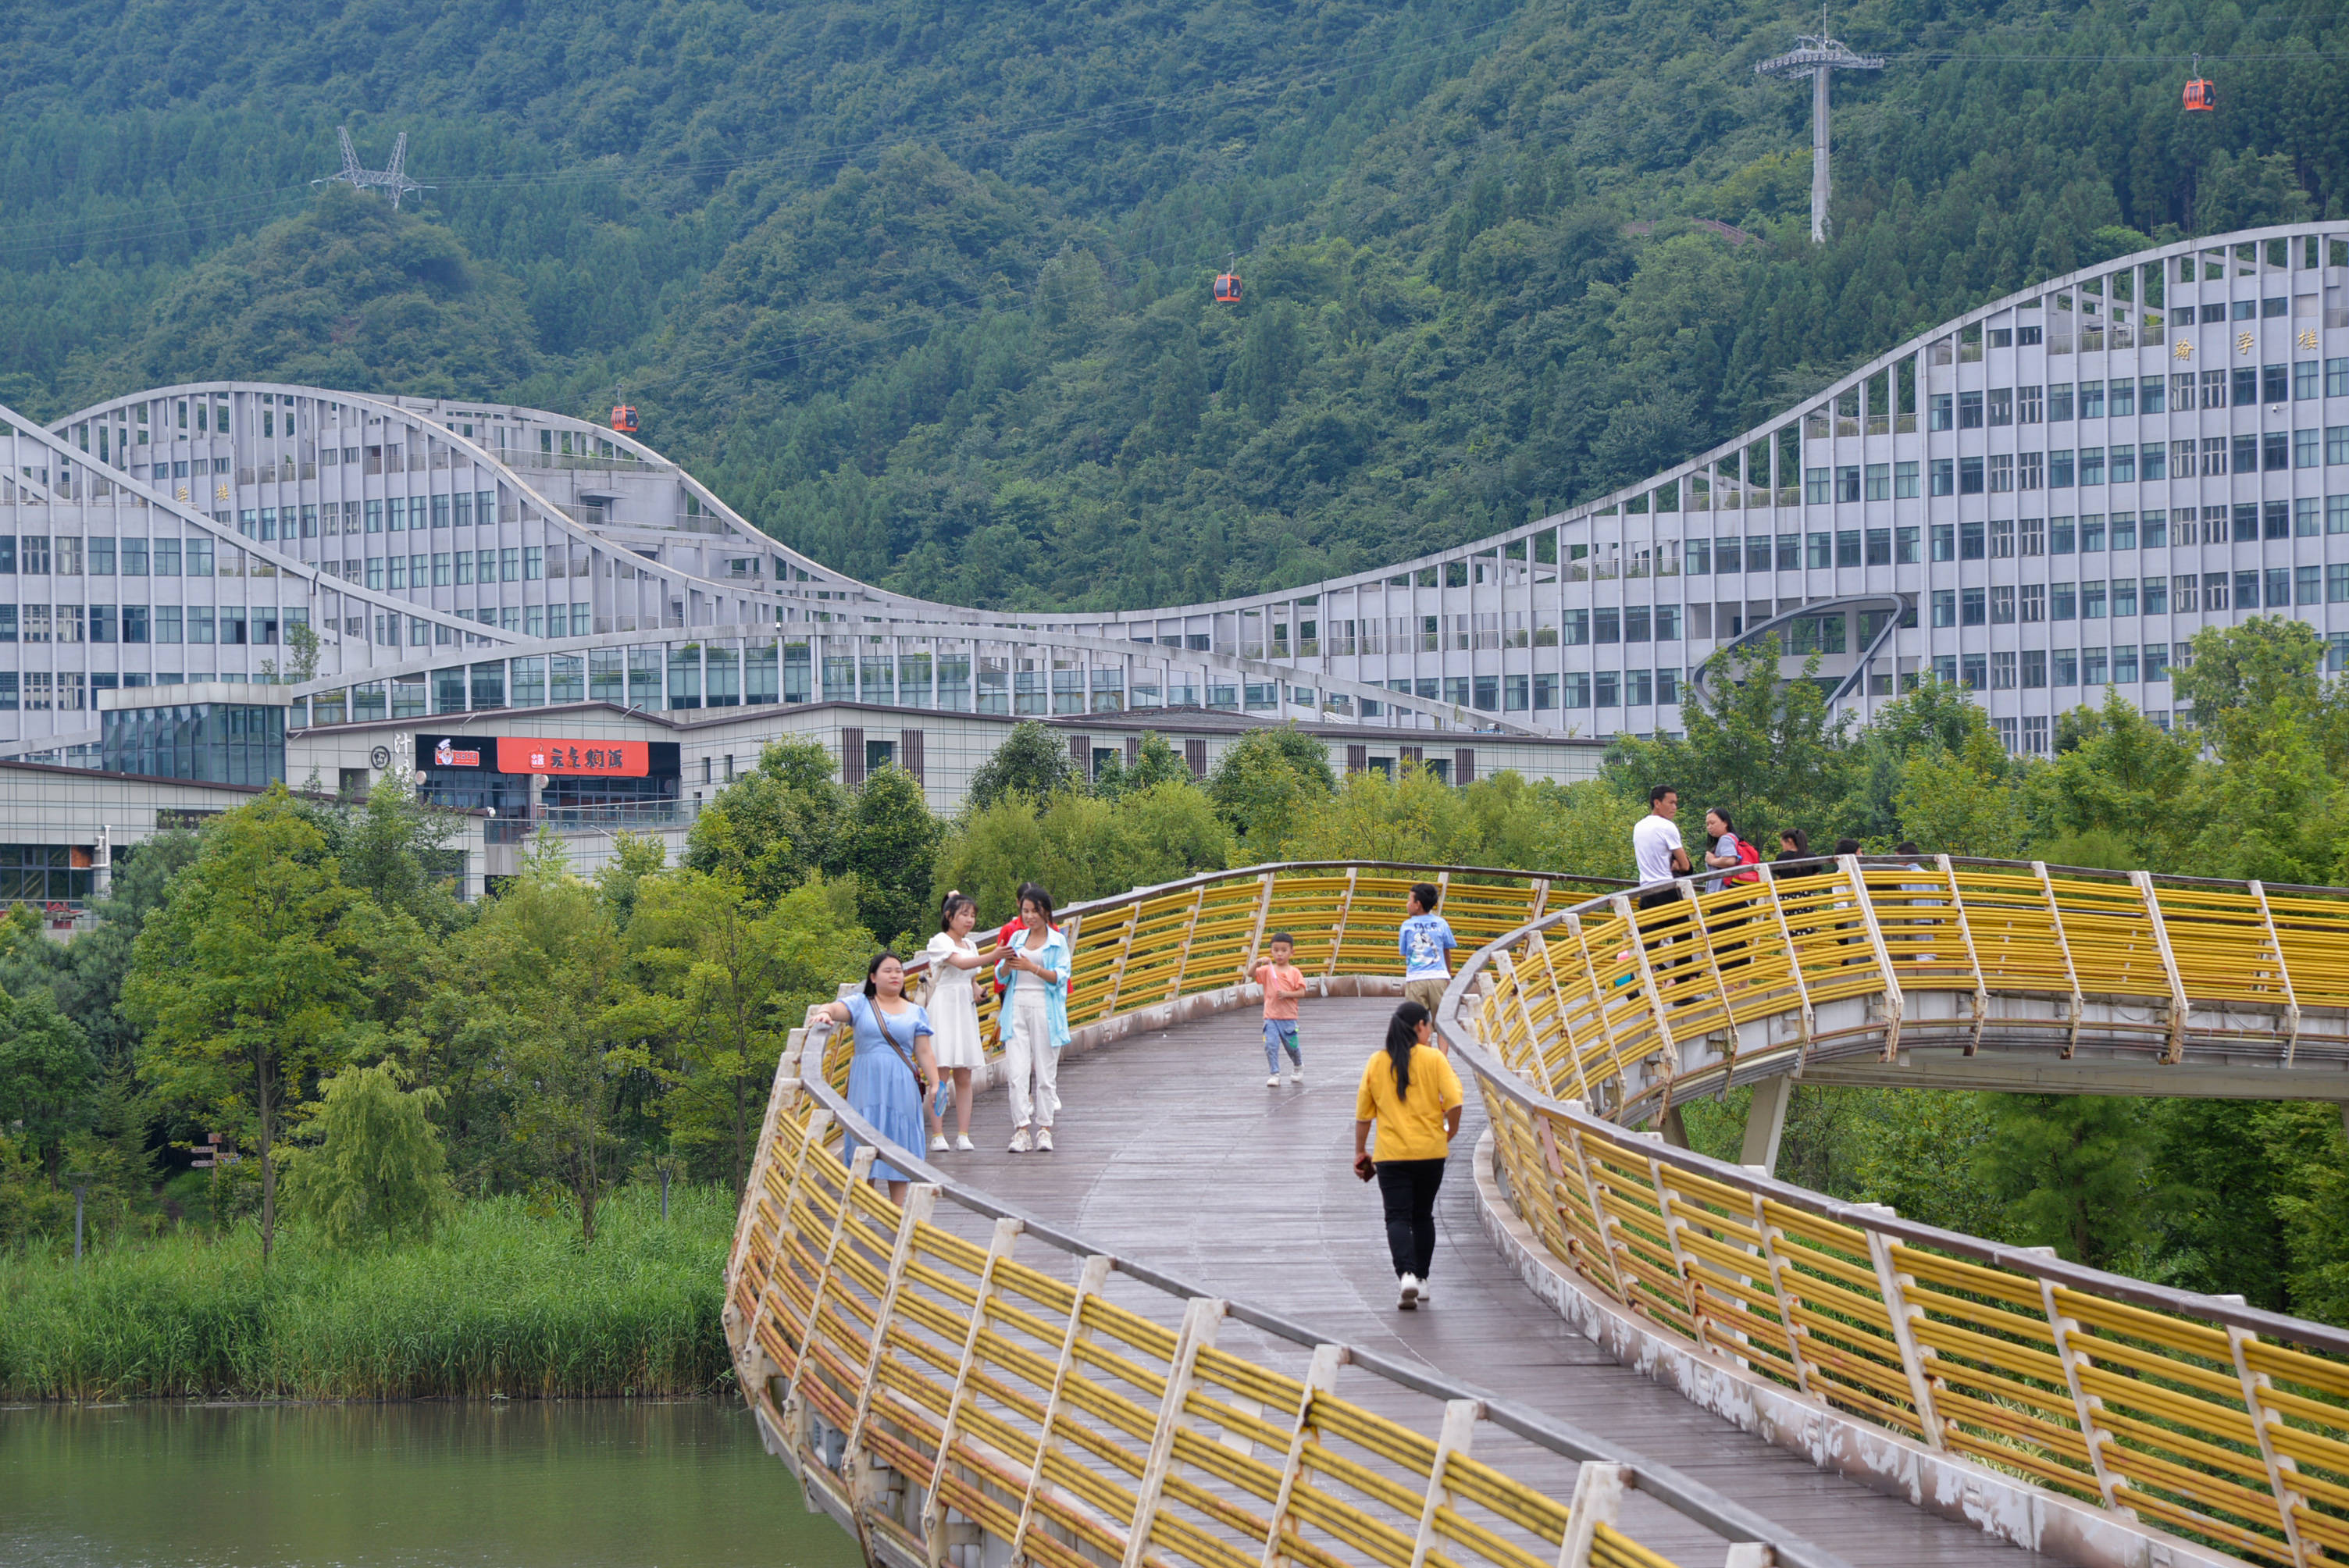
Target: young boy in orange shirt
1283,983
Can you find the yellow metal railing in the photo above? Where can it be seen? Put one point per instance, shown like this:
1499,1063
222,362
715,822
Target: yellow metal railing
945,1398
2200,1416
2197,1414
1630,1006
1158,945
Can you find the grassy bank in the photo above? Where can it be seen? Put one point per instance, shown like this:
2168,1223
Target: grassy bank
501,1302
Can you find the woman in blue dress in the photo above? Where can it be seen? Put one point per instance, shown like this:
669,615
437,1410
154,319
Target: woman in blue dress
891,1074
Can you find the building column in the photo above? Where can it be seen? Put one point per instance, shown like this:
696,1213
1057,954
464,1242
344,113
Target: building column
1766,1122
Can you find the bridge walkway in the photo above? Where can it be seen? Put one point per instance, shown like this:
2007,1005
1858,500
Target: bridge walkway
1173,1151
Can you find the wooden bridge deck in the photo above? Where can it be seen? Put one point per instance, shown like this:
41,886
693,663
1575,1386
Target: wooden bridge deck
1174,1152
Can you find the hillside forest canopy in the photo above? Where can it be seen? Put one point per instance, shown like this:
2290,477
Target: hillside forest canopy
925,292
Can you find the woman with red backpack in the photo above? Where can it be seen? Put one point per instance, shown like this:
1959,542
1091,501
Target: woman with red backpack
1727,853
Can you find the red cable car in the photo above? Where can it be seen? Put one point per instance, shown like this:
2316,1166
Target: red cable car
624,418
2201,96
1227,288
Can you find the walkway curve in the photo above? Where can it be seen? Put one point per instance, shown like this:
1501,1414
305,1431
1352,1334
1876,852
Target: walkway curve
2121,1400
1171,1150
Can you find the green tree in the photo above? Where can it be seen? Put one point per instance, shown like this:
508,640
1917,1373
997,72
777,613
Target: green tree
775,826
542,985
637,859
889,846
48,1077
377,1172
725,983
244,979
1267,784
990,851
2073,1171
1031,761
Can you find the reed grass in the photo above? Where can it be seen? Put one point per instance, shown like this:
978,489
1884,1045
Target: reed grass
501,1303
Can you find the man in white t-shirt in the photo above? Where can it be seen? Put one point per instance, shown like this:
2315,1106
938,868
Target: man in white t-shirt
1656,849
1657,854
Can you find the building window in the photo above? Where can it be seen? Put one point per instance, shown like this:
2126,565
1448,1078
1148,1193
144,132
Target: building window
1905,546
2001,473
1945,542
1970,476
2002,607
1846,547
1970,601
1945,607
2035,736
2031,470
1945,476
2002,406
1815,486
1904,482
2027,406
1879,547
1848,482
2034,602
1974,671
2001,673
2034,668
1880,481
1969,410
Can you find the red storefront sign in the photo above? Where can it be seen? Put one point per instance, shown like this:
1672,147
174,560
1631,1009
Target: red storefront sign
598,758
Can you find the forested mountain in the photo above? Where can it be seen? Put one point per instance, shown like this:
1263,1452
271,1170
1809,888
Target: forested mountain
925,289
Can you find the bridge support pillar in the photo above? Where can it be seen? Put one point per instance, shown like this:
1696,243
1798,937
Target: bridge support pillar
1674,1131
1765,1123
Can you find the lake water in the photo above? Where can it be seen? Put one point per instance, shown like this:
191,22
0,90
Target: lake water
581,1484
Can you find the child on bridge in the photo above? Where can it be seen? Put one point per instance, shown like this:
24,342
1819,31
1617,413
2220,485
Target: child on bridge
1283,983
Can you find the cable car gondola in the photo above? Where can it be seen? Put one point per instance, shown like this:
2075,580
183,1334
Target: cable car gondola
1227,284
2201,93
624,418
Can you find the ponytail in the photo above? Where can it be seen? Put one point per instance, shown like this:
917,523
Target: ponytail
1403,1034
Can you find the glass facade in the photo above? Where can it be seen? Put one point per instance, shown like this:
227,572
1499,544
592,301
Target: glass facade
212,742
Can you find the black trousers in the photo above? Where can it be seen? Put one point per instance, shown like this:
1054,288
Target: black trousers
1408,1189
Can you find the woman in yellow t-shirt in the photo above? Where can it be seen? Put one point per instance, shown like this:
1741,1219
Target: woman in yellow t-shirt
1410,1092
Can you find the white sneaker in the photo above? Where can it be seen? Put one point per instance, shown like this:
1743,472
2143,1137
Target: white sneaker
1297,1075
962,1143
937,1143
1043,1140
1426,1291
1408,1299
1272,1082
1020,1142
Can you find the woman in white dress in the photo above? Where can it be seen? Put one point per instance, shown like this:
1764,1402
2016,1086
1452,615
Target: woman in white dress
953,1007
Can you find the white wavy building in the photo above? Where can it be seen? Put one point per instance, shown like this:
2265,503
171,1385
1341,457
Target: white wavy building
2046,496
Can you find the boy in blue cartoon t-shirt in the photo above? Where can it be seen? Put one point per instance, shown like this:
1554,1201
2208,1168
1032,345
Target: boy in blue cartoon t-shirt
1426,943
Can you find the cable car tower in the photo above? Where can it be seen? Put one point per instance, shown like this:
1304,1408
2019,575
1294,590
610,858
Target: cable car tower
1817,57
393,182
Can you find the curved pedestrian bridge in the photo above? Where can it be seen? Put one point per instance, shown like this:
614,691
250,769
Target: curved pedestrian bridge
1174,1341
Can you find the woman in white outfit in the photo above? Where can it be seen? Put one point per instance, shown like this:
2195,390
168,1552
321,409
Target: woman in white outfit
953,1007
1037,970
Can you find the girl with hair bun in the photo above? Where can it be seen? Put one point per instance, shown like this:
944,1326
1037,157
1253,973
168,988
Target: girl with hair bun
954,1013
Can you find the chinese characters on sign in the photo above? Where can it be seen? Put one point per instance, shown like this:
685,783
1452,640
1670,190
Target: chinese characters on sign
606,758
2308,339
2184,350
2242,343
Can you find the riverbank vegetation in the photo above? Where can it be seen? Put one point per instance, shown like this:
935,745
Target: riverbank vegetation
501,1303
421,1071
